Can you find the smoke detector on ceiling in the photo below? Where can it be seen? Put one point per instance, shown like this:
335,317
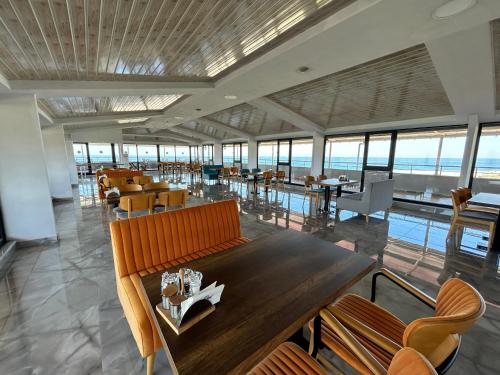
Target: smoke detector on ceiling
452,8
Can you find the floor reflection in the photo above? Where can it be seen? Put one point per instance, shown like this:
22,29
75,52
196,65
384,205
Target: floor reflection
59,312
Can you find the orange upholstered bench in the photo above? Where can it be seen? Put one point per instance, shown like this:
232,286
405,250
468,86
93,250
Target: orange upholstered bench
153,243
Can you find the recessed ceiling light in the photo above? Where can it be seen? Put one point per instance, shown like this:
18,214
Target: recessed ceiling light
452,8
230,97
198,109
303,69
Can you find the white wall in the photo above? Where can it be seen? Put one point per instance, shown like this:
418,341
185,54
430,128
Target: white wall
57,162
24,186
96,135
217,153
73,173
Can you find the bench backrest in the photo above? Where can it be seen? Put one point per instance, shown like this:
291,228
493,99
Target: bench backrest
147,241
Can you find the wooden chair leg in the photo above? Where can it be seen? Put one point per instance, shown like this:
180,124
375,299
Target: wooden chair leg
150,365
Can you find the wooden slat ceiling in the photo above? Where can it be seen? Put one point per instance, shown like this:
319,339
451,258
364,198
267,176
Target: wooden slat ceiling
145,39
92,106
495,36
252,120
205,129
400,86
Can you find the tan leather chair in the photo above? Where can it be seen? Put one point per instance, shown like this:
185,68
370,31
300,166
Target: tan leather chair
457,307
135,205
156,185
311,191
143,180
127,188
279,179
288,358
111,182
172,199
476,216
153,243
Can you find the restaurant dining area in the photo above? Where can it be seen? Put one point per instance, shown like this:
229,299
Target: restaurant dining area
303,187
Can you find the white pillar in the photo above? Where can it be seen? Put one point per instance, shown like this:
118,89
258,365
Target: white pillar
218,153
252,154
24,185
470,145
73,173
119,157
57,162
317,157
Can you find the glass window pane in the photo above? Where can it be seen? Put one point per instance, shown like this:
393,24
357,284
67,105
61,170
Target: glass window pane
227,155
80,153
167,153
208,153
344,156
302,151
284,151
379,148
268,155
131,151
427,164
182,153
486,177
100,155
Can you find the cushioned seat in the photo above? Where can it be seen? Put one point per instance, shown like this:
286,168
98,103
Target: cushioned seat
288,358
457,307
476,214
153,243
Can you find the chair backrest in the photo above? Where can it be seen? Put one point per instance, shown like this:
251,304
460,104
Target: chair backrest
458,307
457,200
147,241
267,175
245,171
129,188
115,181
143,180
380,195
139,202
280,175
322,177
156,185
234,170
308,181
173,198
408,361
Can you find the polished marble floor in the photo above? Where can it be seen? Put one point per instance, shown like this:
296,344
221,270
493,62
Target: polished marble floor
59,313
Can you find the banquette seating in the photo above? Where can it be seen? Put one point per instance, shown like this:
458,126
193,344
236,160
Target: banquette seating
153,243
111,173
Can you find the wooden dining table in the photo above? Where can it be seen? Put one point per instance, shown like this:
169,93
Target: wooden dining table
489,200
273,287
328,184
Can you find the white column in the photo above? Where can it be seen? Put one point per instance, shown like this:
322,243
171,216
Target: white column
252,154
317,157
119,157
73,173
218,153
57,162
470,145
24,185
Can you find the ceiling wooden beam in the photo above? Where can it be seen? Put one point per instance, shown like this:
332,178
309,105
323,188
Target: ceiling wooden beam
52,89
173,135
286,114
155,136
227,128
193,133
107,118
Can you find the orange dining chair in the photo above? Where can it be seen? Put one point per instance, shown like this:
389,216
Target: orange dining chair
143,180
135,205
156,185
457,307
266,181
311,191
172,198
279,179
128,188
289,358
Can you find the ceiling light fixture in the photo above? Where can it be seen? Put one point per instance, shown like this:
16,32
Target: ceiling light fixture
452,8
179,118
230,97
303,69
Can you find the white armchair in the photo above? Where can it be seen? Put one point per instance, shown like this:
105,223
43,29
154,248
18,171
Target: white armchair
376,197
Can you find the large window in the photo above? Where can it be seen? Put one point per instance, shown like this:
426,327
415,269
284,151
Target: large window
182,153
486,173
80,153
427,164
302,151
244,155
167,153
344,156
228,155
131,151
268,155
208,154
147,153
379,148
235,154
